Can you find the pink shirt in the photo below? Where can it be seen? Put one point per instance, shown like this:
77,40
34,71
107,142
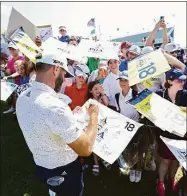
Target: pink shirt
10,65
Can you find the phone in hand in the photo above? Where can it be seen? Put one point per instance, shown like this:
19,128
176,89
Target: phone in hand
162,18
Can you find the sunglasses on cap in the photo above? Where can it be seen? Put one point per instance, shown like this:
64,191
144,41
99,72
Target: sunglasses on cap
174,52
11,48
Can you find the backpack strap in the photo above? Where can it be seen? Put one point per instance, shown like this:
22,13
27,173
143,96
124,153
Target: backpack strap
117,101
134,93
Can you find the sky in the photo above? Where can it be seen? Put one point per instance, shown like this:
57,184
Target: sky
129,17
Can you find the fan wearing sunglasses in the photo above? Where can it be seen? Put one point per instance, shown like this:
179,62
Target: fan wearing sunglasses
172,49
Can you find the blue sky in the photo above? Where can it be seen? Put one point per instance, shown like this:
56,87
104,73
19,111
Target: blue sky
129,17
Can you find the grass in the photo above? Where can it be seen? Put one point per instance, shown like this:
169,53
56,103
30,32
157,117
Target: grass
18,174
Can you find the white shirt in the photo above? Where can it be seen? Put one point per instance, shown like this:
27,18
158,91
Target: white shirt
48,125
111,86
154,83
125,108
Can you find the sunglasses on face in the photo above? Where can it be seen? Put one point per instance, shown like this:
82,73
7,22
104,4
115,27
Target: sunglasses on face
174,52
132,54
11,49
181,81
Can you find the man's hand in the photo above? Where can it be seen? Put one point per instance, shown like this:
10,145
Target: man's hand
93,110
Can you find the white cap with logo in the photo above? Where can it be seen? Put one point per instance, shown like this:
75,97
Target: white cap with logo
135,49
12,45
171,47
53,58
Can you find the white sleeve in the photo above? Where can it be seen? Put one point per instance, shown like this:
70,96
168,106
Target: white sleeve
63,123
107,89
163,79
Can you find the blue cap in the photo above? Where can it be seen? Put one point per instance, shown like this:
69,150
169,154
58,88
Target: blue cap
123,75
174,73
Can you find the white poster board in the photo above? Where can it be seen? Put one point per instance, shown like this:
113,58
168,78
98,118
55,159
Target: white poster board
45,32
7,89
98,49
17,20
178,148
161,112
25,44
69,51
147,66
115,131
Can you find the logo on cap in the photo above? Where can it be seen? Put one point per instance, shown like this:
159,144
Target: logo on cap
57,62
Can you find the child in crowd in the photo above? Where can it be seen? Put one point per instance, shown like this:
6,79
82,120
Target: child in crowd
96,92
22,72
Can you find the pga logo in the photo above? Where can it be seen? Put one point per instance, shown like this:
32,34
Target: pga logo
98,48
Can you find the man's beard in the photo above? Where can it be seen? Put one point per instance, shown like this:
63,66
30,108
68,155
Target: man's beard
58,82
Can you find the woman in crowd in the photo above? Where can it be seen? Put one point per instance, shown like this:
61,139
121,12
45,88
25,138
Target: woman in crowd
22,73
96,92
10,69
174,93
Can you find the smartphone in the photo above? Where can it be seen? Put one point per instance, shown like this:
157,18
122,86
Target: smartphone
162,18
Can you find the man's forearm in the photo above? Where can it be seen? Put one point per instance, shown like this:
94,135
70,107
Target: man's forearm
174,62
151,37
164,37
92,129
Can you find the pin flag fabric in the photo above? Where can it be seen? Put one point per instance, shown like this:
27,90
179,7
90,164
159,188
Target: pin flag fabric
91,22
161,112
147,66
25,44
115,131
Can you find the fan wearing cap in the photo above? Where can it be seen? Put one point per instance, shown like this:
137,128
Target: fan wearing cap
10,70
63,32
50,128
78,91
111,85
125,95
124,47
99,74
174,93
15,55
132,52
172,49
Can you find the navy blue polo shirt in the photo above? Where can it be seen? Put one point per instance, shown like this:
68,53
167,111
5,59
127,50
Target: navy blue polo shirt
64,38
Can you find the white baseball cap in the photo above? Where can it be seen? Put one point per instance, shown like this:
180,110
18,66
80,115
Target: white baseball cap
123,75
53,58
171,47
135,49
81,70
103,65
12,45
147,49
62,28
